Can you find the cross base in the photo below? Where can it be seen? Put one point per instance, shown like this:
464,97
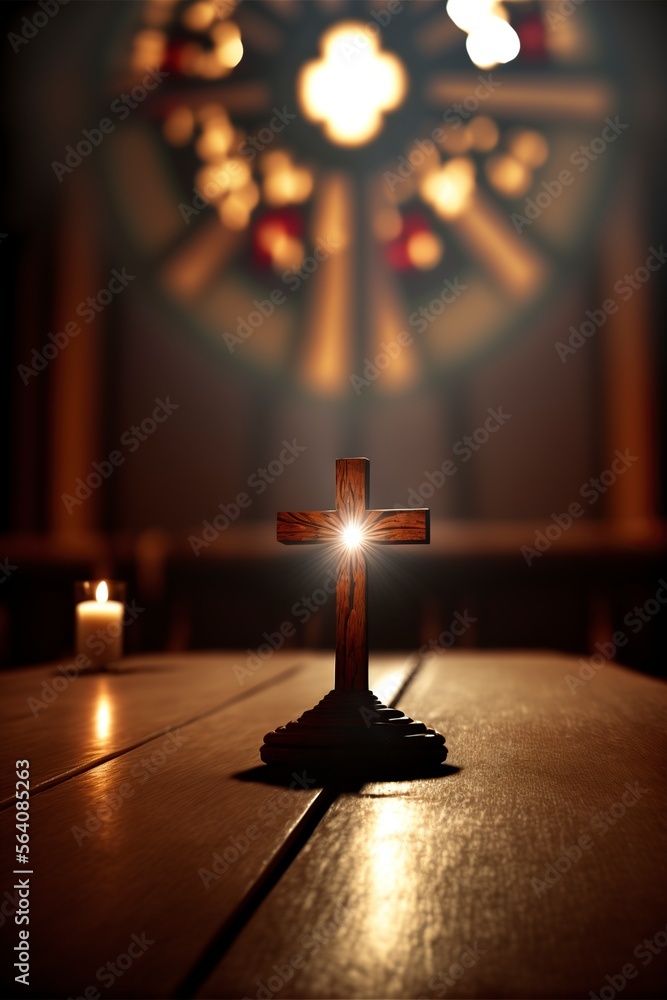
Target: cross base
352,731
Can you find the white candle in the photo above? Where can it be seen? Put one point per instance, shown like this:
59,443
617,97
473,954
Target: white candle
99,628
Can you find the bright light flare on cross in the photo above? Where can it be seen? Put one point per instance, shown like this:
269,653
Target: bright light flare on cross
352,536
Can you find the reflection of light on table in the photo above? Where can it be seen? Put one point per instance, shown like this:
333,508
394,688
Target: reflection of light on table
102,718
392,876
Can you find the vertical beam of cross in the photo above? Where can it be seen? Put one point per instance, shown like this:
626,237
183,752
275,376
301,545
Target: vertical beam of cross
354,529
352,482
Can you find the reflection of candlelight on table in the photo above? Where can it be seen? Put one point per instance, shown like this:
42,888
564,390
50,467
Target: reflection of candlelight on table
99,628
103,717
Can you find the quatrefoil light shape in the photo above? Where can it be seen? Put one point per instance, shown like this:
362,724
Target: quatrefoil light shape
353,84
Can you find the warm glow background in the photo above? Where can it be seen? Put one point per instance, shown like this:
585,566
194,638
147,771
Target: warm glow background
321,178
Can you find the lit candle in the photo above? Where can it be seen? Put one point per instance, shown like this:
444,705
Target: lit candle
99,628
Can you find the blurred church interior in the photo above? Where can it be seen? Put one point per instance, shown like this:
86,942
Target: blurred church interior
241,240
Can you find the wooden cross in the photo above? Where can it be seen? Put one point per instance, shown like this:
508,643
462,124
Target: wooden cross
354,528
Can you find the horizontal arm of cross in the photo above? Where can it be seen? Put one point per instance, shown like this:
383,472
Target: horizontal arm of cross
308,526
396,526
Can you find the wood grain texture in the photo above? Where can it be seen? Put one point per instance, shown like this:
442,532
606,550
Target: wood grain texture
391,527
376,526
64,725
157,816
352,487
425,888
352,622
309,526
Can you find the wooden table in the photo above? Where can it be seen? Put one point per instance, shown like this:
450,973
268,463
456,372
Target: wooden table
165,864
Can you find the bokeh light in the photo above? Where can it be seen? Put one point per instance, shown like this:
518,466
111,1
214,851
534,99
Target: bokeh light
351,86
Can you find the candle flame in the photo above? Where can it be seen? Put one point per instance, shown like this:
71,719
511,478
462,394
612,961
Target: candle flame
102,592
